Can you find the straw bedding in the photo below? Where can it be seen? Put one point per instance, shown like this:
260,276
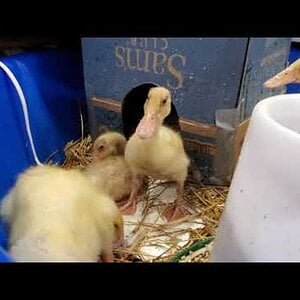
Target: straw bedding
149,237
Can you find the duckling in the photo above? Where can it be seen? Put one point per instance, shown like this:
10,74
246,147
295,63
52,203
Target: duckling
156,150
59,215
132,110
109,143
289,75
108,169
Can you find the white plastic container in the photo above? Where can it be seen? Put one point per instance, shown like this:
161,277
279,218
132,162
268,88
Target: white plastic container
261,219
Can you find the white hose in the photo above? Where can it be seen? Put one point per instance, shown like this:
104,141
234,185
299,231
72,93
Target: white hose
24,108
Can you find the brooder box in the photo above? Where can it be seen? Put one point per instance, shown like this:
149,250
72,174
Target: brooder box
203,74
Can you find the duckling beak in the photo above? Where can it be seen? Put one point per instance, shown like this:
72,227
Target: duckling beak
280,79
288,75
147,126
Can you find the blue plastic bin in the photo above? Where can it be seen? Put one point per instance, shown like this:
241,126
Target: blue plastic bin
52,83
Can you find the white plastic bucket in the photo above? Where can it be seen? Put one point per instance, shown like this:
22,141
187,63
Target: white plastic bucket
261,219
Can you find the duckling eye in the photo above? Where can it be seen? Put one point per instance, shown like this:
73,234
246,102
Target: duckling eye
164,101
100,148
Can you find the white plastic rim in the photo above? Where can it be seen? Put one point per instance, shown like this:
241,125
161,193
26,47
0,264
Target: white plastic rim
261,219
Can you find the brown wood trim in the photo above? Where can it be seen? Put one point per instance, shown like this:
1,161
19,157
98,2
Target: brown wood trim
186,125
198,128
107,103
203,147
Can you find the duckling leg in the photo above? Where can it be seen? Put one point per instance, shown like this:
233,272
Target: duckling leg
176,211
121,202
107,256
130,207
144,185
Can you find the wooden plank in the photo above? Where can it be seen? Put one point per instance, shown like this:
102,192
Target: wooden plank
200,147
107,103
186,125
198,128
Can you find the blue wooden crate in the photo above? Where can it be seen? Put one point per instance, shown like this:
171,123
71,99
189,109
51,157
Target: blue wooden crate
203,74
264,58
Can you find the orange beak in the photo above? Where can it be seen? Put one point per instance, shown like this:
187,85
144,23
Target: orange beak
288,75
147,125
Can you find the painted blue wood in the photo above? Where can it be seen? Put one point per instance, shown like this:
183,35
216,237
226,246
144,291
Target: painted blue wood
203,74
265,58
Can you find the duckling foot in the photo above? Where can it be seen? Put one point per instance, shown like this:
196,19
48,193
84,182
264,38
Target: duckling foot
121,202
128,208
120,244
174,212
107,257
144,186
